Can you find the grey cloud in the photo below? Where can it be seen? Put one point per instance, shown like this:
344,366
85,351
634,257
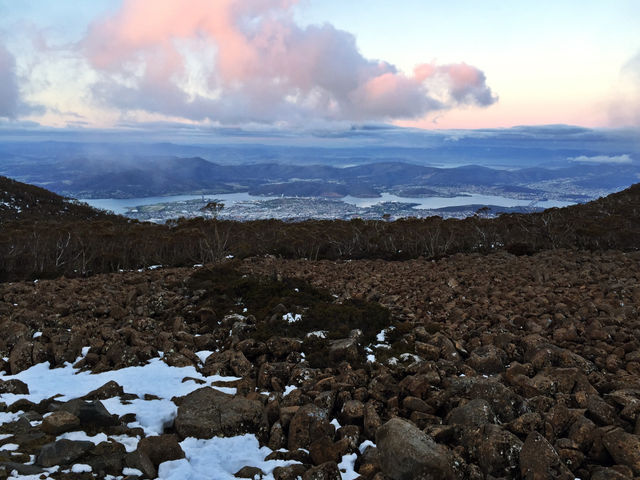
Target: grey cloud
9,93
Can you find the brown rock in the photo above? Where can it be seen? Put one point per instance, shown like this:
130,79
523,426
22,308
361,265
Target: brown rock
487,359
141,462
496,450
472,414
525,424
624,448
372,420
324,450
206,413
326,471
14,386
108,390
280,347
89,412
106,458
352,412
59,422
20,358
608,474
540,461
161,448
344,349
309,423
254,473
62,452
416,404
277,437
407,453
291,472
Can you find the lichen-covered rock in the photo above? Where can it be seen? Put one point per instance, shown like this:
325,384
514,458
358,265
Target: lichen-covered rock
309,422
59,422
407,453
207,413
540,461
624,448
62,452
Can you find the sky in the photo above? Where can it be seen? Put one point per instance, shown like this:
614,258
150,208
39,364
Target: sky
297,64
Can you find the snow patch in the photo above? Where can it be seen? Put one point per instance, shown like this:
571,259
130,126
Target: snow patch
224,456
81,436
292,317
288,389
318,333
81,468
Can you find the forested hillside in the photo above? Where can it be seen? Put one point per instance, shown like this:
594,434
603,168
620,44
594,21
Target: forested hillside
44,235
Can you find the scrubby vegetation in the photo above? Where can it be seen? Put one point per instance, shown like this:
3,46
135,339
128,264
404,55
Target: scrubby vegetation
223,290
59,240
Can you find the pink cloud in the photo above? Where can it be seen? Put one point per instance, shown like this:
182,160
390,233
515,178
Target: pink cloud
265,67
9,94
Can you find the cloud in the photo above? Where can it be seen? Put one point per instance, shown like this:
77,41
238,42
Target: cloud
9,93
624,109
234,61
632,67
613,159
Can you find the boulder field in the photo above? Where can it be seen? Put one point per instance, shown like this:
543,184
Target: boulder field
486,367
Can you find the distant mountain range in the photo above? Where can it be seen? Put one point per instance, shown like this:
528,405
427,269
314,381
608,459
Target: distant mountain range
123,178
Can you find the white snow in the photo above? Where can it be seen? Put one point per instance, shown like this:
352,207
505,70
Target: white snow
131,471
81,436
347,467
224,456
371,358
318,333
335,423
129,443
4,436
155,378
203,354
8,417
37,334
151,415
81,468
292,317
288,389
9,447
409,356
366,444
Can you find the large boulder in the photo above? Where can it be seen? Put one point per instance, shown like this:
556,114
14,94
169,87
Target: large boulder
62,452
496,450
326,471
207,413
475,413
14,386
20,358
309,423
161,448
624,448
90,412
59,422
407,453
539,460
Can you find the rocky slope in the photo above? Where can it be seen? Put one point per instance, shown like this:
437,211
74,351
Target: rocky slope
473,366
